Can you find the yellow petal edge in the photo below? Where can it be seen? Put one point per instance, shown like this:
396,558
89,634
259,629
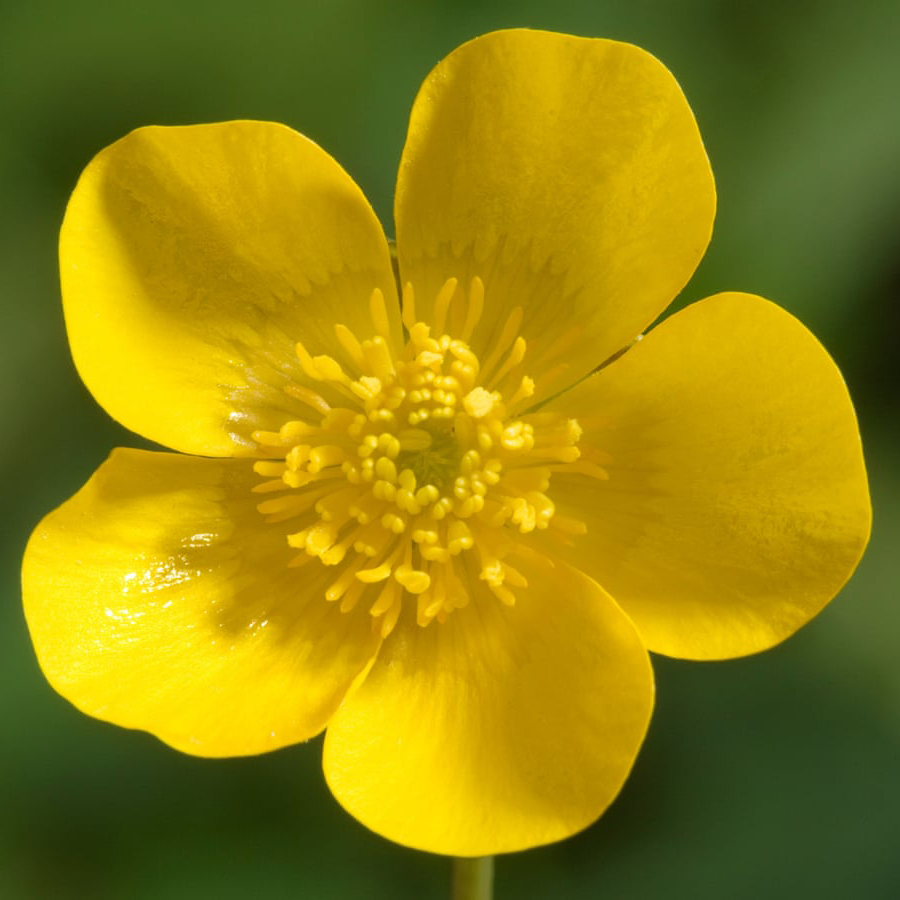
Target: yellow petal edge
569,175
737,503
502,729
191,261
156,601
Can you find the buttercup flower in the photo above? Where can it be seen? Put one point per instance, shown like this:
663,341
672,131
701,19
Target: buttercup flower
430,518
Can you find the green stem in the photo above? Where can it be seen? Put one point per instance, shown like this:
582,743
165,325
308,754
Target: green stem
473,879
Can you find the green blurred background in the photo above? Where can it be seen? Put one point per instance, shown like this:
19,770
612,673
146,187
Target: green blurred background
776,776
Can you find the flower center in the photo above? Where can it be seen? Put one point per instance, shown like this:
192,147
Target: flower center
433,458
415,468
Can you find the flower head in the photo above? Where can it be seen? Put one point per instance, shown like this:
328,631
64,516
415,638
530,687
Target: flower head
429,517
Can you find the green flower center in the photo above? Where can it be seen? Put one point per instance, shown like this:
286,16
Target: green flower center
436,461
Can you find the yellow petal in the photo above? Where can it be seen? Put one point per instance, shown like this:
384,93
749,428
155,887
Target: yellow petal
157,599
568,173
737,503
501,729
193,259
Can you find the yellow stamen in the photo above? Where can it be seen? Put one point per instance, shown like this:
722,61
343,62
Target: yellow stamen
311,398
476,304
351,345
409,307
405,472
442,303
378,311
507,336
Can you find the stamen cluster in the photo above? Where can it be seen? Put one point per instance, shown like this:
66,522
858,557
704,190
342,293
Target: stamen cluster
410,473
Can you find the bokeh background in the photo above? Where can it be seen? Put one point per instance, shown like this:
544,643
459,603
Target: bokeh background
776,776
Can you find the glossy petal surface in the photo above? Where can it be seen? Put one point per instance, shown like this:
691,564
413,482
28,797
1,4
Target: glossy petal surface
193,258
568,173
737,504
157,599
501,729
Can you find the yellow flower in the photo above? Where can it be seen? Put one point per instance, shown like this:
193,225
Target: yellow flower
433,522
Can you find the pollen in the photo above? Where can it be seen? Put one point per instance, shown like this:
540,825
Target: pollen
414,471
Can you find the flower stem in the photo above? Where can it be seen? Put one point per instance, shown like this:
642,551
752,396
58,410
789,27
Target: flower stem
473,879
